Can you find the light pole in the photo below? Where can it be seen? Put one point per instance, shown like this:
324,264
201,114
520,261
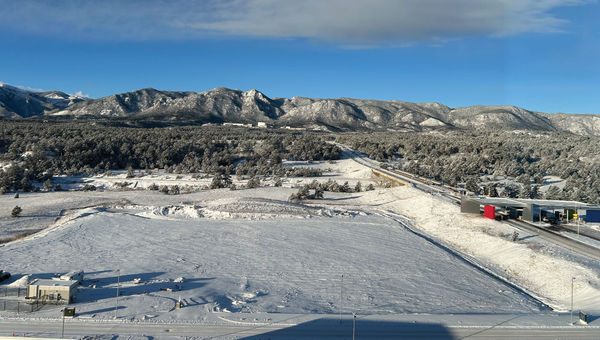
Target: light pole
117,299
572,283
63,324
353,325
341,292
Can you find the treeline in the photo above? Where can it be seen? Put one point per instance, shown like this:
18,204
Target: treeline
32,151
463,157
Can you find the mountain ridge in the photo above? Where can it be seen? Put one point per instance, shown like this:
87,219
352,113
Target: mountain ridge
221,105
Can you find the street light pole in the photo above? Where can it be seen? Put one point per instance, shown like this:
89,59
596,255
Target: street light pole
117,299
353,325
63,325
341,292
572,283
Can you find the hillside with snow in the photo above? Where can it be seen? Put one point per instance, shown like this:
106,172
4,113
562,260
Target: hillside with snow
16,102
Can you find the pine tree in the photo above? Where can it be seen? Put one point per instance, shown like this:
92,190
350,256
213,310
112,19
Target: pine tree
358,187
48,185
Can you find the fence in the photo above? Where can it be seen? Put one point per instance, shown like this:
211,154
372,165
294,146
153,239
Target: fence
18,306
13,292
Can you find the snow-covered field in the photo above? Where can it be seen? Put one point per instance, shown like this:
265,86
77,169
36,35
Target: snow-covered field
252,251
292,264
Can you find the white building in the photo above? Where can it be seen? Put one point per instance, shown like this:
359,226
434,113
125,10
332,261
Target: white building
52,291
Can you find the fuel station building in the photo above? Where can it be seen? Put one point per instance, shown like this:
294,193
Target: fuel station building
530,210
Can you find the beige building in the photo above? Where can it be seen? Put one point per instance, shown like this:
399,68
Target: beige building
52,291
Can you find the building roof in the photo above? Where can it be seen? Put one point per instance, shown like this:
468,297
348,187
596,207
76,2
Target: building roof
521,203
506,202
53,283
560,204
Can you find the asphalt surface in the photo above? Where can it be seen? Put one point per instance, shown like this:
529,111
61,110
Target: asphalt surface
328,328
565,242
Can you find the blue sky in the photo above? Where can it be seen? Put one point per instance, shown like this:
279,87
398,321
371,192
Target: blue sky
542,55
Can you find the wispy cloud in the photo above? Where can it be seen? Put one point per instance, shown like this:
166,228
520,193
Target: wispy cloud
341,22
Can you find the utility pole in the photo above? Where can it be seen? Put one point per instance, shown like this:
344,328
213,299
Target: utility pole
117,299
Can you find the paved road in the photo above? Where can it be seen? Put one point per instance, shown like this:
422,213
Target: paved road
565,242
328,328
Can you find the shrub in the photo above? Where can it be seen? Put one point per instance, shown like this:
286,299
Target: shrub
358,187
89,187
130,173
253,183
16,211
48,185
174,190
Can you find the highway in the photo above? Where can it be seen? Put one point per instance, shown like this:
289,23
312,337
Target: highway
563,241
546,234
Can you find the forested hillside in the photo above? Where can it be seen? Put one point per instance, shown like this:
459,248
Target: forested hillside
36,152
455,157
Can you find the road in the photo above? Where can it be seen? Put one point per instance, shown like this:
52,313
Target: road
565,242
319,328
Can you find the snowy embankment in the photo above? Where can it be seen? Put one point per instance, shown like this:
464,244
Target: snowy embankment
237,208
541,268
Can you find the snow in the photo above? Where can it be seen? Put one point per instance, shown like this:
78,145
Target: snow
21,282
285,265
528,263
250,252
432,122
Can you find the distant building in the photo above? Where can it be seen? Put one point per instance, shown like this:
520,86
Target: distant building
237,124
52,291
261,124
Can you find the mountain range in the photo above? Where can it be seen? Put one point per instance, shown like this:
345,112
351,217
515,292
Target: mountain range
221,105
